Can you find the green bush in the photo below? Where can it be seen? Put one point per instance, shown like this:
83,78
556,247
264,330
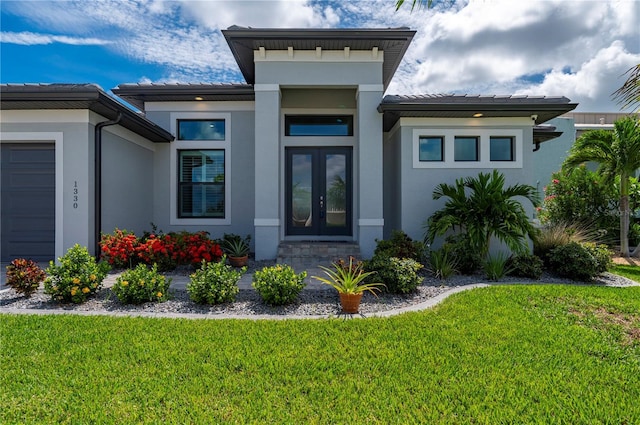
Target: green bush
24,276
401,246
467,259
76,278
495,266
525,265
601,254
574,261
442,264
214,283
399,275
141,284
279,284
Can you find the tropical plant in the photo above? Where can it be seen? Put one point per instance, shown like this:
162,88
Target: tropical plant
348,278
574,261
629,94
235,246
399,245
77,276
24,276
483,208
459,249
618,154
399,275
442,264
141,284
525,265
214,283
279,284
424,3
495,266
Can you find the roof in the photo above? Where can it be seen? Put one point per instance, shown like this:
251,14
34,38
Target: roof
138,94
244,41
542,108
79,96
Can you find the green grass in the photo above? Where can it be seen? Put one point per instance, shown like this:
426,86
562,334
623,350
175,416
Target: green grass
632,272
504,354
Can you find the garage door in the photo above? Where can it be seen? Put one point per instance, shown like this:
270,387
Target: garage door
28,201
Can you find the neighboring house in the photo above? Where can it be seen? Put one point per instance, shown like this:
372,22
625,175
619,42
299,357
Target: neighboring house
308,149
571,125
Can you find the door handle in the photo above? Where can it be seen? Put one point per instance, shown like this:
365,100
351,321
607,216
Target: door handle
321,206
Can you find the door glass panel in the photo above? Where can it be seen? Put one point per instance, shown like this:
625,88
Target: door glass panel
336,189
301,174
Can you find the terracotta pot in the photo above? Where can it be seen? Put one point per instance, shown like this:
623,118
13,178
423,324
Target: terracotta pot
350,302
238,261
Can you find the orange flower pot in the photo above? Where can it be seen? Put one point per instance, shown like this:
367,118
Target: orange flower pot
350,302
238,261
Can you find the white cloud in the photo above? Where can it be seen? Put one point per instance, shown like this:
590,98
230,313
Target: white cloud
30,38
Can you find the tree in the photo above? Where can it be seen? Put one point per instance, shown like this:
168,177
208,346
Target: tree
483,208
629,94
618,154
419,3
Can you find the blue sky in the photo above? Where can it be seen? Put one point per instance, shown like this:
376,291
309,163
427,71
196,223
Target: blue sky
574,48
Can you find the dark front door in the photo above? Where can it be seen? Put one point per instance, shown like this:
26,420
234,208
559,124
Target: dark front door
318,191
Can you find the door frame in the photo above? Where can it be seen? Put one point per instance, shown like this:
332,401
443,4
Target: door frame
319,229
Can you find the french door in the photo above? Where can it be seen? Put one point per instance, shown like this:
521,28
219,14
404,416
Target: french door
318,191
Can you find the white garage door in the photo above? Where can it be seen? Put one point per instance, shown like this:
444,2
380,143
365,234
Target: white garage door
27,201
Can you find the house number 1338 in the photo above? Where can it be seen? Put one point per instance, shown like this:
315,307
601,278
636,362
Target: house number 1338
75,194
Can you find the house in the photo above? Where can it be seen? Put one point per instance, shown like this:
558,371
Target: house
309,149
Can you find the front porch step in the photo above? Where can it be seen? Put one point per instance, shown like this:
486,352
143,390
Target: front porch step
302,255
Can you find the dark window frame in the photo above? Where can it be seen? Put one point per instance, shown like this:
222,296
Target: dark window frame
511,144
477,143
309,120
181,120
441,138
182,184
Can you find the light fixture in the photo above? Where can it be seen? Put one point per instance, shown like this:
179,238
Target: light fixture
478,115
198,98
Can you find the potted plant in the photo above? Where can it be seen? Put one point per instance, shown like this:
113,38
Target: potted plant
349,281
236,248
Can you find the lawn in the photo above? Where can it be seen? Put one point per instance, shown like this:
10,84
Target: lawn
504,354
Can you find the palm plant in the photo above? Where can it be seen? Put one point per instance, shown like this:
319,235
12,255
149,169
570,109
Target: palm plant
348,278
618,154
483,208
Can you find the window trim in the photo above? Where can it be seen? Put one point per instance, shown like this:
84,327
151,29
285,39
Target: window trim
204,184
179,145
484,134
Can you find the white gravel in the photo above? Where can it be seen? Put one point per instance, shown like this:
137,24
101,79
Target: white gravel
312,302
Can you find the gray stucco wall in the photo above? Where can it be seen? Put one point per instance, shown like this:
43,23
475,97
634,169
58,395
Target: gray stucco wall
417,184
242,169
392,194
127,184
548,159
319,74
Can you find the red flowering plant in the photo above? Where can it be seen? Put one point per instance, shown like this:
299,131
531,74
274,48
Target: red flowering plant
195,247
120,249
24,276
159,249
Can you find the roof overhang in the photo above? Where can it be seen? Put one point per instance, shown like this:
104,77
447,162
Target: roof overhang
539,109
244,41
139,94
79,96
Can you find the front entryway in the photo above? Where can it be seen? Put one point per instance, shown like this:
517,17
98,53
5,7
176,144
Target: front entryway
319,191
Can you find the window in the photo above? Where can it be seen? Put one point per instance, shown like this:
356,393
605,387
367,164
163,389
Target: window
431,148
201,129
501,148
465,148
318,125
201,183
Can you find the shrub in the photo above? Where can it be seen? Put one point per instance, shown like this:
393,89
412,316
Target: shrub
193,248
495,266
119,249
442,264
24,276
401,246
399,275
141,284
467,259
76,278
601,254
214,283
525,265
279,284
554,235
574,261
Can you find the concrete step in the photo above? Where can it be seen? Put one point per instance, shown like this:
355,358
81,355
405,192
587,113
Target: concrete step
302,255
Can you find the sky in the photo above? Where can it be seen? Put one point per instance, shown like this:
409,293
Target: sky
580,49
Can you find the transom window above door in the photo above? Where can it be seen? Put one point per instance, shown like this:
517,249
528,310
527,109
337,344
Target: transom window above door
318,125
194,129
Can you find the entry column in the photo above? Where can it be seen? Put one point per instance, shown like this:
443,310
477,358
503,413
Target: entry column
369,190
267,171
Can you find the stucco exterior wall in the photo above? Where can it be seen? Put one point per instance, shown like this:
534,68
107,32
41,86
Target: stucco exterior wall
548,159
417,184
392,193
319,73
